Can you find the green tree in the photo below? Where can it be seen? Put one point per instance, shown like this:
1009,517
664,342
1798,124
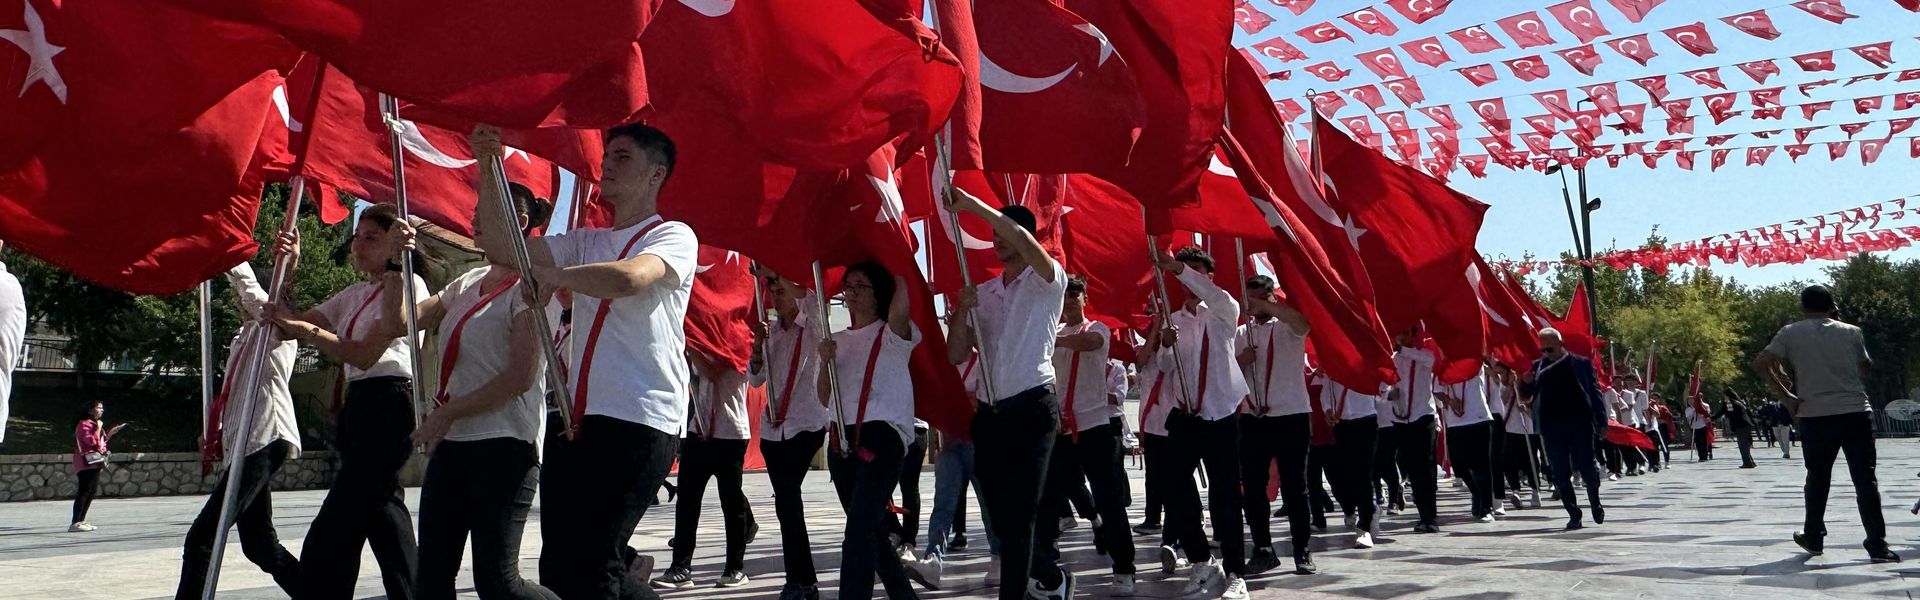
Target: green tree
1689,324
1882,298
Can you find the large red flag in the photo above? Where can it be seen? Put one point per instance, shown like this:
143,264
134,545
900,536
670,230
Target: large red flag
506,62
815,85
1458,325
1511,331
1576,328
1103,239
718,310
130,131
1177,51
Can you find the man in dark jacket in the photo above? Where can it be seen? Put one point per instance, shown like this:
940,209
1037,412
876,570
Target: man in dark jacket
1740,420
1571,418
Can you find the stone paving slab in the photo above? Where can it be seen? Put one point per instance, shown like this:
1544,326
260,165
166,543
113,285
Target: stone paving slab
1706,530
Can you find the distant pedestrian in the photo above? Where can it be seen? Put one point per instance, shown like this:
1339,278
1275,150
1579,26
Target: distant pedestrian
89,461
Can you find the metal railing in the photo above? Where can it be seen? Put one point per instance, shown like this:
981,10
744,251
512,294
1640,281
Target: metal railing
1885,426
56,354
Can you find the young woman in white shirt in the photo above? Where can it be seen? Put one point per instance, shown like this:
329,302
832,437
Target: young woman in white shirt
795,424
488,414
374,423
869,370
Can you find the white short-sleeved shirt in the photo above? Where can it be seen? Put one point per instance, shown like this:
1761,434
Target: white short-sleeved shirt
639,372
790,384
1088,400
1276,377
354,312
1116,389
483,355
970,377
1696,418
890,397
1336,399
1496,397
1474,394
273,414
1016,324
719,409
13,337
1520,421
1640,418
1611,400
1415,366
1210,330
1158,393
1383,411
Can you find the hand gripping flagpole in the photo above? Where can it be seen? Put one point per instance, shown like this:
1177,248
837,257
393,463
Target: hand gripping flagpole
1239,266
242,398
205,298
522,262
1166,311
833,377
942,186
390,114
765,343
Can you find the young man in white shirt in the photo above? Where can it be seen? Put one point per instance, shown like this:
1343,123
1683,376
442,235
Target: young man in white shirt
1522,444
13,335
795,424
1010,319
1272,347
1204,427
1497,406
1413,424
714,448
1089,441
1644,420
627,366
1353,418
1470,442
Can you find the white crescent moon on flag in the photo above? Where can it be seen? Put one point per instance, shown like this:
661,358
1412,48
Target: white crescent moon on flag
999,79
1106,47
415,142
711,8
891,207
286,113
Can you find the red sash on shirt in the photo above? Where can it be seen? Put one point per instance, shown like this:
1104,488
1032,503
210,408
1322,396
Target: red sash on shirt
593,337
453,339
1264,399
866,389
1205,356
1069,422
1412,383
786,390
340,387
1153,397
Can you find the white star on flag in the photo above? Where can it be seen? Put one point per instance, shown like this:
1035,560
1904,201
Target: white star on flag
40,53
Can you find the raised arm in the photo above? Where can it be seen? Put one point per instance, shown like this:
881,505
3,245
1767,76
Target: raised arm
1220,304
1008,232
960,338
1086,341
1282,311
900,311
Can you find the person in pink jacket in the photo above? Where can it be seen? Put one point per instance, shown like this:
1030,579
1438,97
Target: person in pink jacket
89,459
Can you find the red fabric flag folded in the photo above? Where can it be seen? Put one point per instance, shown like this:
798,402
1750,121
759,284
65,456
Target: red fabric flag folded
1634,47
1582,58
720,306
1881,54
1427,51
1491,109
1766,97
1795,151
1760,70
1898,126
1371,20
1360,127
1545,124
1555,101
1441,114
1867,105
1054,96
1632,118
1835,150
1103,239
1327,102
1831,10
1383,62
1718,159
1249,18
1530,68
1709,77
1328,71
1720,106
1475,39
117,166
1479,75
1756,24
1407,90
1757,156
1656,87
1870,150
1635,10
1419,11
1605,96
1279,48
1580,19
1527,30
1322,33
1816,61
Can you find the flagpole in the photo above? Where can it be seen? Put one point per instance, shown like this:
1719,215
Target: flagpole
833,377
263,334
523,263
205,293
942,183
1166,309
1239,266
766,341
582,193
390,114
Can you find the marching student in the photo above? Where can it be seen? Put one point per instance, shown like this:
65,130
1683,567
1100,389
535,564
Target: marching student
374,425
1089,440
1156,404
1204,427
1700,418
1386,458
953,471
1013,318
869,368
1413,425
1272,346
1571,418
1353,417
484,431
630,284
795,425
715,448
1497,406
1647,421
263,449
1470,442
1516,427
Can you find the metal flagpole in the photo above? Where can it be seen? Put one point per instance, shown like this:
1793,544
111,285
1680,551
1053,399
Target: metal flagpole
523,262
243,399
942,183
1239,266
833,377
206,356
390,114
766,341
1166,309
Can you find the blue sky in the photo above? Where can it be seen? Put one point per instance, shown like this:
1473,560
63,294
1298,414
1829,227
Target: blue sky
1528,215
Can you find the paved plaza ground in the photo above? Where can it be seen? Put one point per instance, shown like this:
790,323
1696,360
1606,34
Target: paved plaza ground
1695,531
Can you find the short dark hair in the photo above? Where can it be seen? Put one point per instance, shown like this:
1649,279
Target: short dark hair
1195,256
654,142
1261,282
536,209
384,215
882,281
1816,298
1023,217
1076,285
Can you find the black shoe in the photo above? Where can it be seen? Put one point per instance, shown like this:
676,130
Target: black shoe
1320,522
676,578
1812,544
1426,528
1881,554
958,543
753,531
1574,523
799,592
1303,565
1599,515
1263,560
1280,513
1146,528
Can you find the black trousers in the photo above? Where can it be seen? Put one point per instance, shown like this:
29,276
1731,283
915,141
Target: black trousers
1097,456
1498,437
865,485
1076,495
787,464
1653,456
253,514
1416,463
907,526
1822,439
485,487
1352,466
1215,444
1012,446
1520,472
366,506
1386,464
1470,448
1153,451
1317,459
86,487
1700,445
593,490
1570,447
1262,441
720,461
1745,439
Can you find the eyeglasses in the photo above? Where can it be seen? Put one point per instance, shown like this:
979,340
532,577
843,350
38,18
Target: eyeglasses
858,286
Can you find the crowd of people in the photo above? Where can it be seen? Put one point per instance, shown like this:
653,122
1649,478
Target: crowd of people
1225,385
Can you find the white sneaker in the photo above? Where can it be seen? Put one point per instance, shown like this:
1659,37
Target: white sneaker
1236,589
1363,541
1204,574
80,527
906,554
1068,523
1499,512
1486,518
1122,585
1064,592
927,572
993,572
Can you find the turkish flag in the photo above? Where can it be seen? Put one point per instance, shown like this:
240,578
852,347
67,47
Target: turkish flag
1635,47
1816,61
1178,52
1383,62
1103,238
1441,114
1415,235
1830,10
1407,90
1881,54
1530,68
1054,96
1249,18
1580,19
1479,75
1475,39
816,85
1756,24
1327,71
1760,70
1632,118
1718,158
133,132
1635,10
1458,326
1656,87
1709,77
1490,109
1867,104
504,62
1322,33
1769,96
1419,11
1427,51
1371,20
1694,38
1368,95
1279,48
1870,150
1511,333
1576,328
1583,58
1555,101
1527,30
720,306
